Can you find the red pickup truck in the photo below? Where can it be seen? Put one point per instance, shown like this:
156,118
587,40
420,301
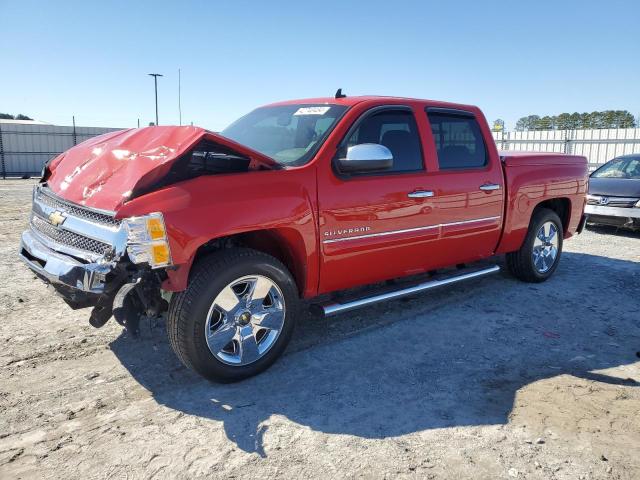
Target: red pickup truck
229,232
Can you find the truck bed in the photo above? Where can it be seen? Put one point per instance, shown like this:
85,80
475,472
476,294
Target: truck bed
533,177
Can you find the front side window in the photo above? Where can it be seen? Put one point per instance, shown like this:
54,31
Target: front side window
396,130
459,141
289,134
619,168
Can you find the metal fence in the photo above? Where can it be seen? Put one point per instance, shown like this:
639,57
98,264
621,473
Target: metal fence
599,146
24,148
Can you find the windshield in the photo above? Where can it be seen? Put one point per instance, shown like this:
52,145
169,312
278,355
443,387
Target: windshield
619,168
290,134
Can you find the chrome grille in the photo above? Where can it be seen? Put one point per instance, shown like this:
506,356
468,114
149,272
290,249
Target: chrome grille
67,238
624,202
76,210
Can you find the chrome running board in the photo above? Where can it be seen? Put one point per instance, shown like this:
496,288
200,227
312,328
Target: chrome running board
333,308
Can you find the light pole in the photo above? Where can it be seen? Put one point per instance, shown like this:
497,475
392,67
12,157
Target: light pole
179,102
155,81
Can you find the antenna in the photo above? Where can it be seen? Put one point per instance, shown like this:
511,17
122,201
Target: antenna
339,94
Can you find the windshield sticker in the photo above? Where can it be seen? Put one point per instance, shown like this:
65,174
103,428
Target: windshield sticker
312,110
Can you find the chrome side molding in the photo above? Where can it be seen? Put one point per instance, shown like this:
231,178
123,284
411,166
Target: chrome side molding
329,309
407,230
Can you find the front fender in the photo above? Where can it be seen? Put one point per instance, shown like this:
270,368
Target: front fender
209,207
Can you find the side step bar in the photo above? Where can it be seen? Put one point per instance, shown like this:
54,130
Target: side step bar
329,309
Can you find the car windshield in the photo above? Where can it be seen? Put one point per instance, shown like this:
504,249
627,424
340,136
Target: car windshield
289,134
619,168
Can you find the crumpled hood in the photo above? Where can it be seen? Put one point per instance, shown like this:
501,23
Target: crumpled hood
103,171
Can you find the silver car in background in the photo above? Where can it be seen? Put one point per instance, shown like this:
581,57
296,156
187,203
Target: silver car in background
614,193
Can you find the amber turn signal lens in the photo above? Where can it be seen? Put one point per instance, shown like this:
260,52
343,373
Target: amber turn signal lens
160,253
155,227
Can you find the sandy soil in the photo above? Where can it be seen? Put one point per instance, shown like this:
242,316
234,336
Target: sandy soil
492,379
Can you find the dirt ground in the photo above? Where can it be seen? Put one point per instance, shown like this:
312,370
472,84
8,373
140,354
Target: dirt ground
491,379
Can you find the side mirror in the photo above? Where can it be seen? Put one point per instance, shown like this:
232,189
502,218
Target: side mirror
366,157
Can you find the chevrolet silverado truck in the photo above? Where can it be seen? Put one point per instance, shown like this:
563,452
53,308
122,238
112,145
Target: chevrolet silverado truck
228,234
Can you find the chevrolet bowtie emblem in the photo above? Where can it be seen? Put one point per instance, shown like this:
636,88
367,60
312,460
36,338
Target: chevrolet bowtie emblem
57,218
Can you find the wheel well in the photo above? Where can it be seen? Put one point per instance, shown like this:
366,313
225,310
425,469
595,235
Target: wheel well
270,242
562,206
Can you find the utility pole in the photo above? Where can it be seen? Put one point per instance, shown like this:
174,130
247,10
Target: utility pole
179,103
75,138
155,81
4,166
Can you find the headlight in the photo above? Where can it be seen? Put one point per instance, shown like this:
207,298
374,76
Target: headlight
638,204
147,240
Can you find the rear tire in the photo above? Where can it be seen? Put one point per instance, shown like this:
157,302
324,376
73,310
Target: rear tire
236,317
540,253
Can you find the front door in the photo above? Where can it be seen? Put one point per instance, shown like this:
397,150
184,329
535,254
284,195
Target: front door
377,226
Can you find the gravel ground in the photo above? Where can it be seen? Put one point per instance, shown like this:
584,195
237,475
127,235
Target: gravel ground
491,379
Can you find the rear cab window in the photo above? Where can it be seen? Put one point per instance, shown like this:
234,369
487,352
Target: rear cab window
458,139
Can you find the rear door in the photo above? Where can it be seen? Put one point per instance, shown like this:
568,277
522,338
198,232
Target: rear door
468,185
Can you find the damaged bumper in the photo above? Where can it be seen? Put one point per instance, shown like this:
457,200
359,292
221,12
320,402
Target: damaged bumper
74,248
62,269
80,283
81,252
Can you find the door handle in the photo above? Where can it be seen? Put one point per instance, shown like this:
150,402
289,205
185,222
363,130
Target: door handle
487,187
421,194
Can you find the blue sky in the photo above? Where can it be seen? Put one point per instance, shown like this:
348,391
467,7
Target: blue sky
91,59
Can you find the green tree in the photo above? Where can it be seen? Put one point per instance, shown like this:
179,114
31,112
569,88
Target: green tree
529,122
6,116
608,119
575,120
625,119
23,117
598,120
563,121
545,123
585,120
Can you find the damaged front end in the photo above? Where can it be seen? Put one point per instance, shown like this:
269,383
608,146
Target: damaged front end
77,243
94,260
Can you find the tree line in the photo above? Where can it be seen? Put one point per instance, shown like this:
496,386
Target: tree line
8,116
572,121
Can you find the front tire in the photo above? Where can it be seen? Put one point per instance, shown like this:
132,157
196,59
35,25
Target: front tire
539,255
236,317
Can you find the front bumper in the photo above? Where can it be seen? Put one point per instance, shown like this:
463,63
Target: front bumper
604,211
78,282
620,217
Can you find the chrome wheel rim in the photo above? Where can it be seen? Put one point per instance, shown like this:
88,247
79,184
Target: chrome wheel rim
245,320
545,247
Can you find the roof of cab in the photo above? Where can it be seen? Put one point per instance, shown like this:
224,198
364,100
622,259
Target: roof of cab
351,101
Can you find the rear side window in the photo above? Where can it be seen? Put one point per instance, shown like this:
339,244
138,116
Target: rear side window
459,141
396,130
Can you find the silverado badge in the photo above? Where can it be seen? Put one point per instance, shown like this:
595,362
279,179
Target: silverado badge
57,218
